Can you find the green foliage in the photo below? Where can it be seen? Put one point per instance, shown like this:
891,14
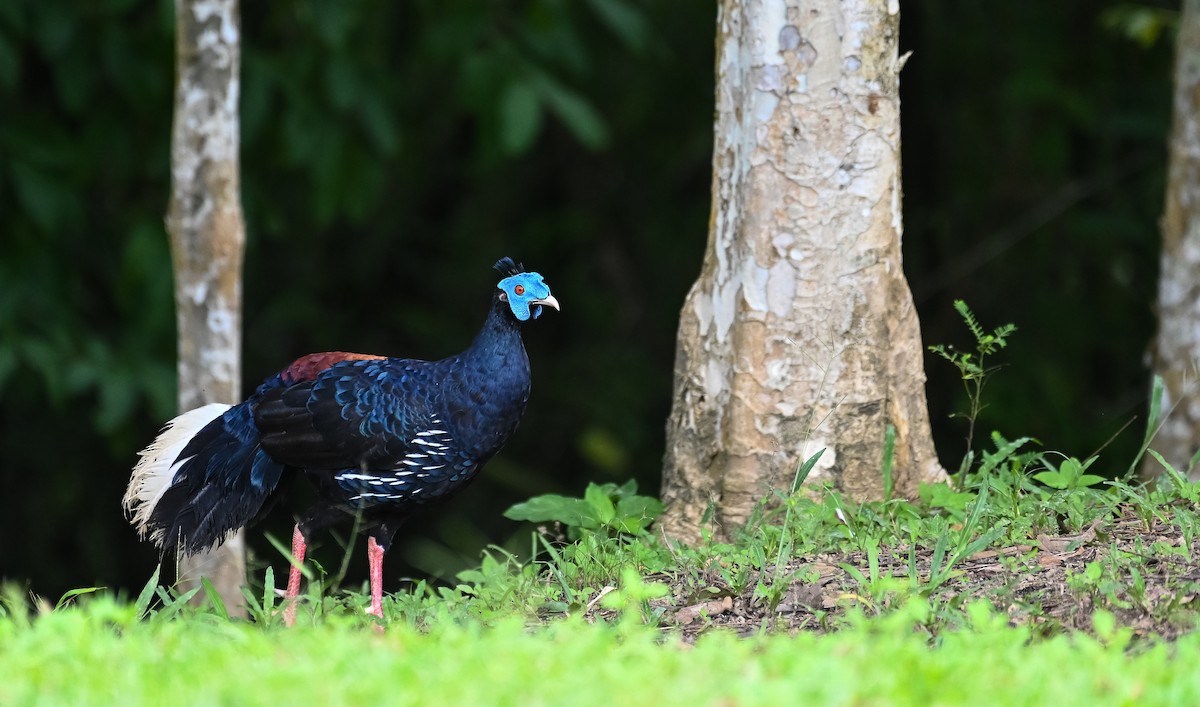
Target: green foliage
606,508
1069,475
952,547
893,633
1188,490
892,625
942,496
389,143
381,143
53,657
499,586
889,457
773,592
972,370
632,599
1153,421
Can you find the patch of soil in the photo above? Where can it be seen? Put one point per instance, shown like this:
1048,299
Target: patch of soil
1140,572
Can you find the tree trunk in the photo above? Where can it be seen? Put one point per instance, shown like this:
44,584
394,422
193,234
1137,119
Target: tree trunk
1177,347
800,333
208,238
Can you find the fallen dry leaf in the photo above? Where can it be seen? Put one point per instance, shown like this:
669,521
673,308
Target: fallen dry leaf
1045,559
1058,544
688,614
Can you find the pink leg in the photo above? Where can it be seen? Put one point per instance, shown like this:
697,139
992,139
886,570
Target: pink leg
375,560
293,588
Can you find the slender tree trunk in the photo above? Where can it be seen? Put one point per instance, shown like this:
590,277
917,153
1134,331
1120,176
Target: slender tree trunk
1177,347
208,238
800,334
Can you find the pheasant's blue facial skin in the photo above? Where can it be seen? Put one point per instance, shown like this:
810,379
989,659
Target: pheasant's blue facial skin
524,292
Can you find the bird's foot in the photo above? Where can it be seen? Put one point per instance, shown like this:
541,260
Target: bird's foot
376,625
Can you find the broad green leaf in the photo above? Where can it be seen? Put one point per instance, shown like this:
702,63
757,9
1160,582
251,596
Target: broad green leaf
551,507
147,593
641,507
575,112
214,598
1053,479
940,495
625,20
600,502
991,460
805,469
520,117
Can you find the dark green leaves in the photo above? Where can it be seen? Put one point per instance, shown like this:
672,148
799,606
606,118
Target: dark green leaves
604,508
520,118
1069,475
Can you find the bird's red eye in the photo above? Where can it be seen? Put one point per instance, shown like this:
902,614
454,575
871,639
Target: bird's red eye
519,289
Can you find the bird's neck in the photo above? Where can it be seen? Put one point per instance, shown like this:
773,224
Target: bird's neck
499,340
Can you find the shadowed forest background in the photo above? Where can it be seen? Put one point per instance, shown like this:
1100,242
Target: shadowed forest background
393,151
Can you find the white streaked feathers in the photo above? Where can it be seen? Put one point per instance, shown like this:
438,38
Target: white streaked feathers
388,496
433,445
153,473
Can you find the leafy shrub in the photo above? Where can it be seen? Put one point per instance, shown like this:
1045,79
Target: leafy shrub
606,508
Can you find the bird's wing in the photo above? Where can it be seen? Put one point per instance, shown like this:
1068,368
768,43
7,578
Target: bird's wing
355,414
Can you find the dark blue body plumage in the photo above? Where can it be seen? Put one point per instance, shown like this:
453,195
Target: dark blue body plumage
378,437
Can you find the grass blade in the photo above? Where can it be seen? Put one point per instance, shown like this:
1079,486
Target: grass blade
147,594
1179,480
214,598
889,452
1003,452
174,604
556,568
1156,398
804,470
71,594
287,554
935,562
268,600
348,551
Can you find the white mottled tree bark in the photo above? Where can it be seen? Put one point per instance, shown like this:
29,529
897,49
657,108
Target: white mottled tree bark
1177,347
208,239
800,333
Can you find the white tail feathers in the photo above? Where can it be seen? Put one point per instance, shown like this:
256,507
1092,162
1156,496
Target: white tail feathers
153,474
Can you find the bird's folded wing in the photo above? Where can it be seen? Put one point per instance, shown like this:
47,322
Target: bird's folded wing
352,415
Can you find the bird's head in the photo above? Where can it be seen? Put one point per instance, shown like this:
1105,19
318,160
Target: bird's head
525,292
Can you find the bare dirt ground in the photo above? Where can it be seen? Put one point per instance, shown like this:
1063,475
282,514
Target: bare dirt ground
1140,572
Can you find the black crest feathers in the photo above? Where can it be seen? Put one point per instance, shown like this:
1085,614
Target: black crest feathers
506,267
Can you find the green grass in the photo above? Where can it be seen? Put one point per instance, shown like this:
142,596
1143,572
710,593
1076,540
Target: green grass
536,632
591,621
594,620
101,653
1027,581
